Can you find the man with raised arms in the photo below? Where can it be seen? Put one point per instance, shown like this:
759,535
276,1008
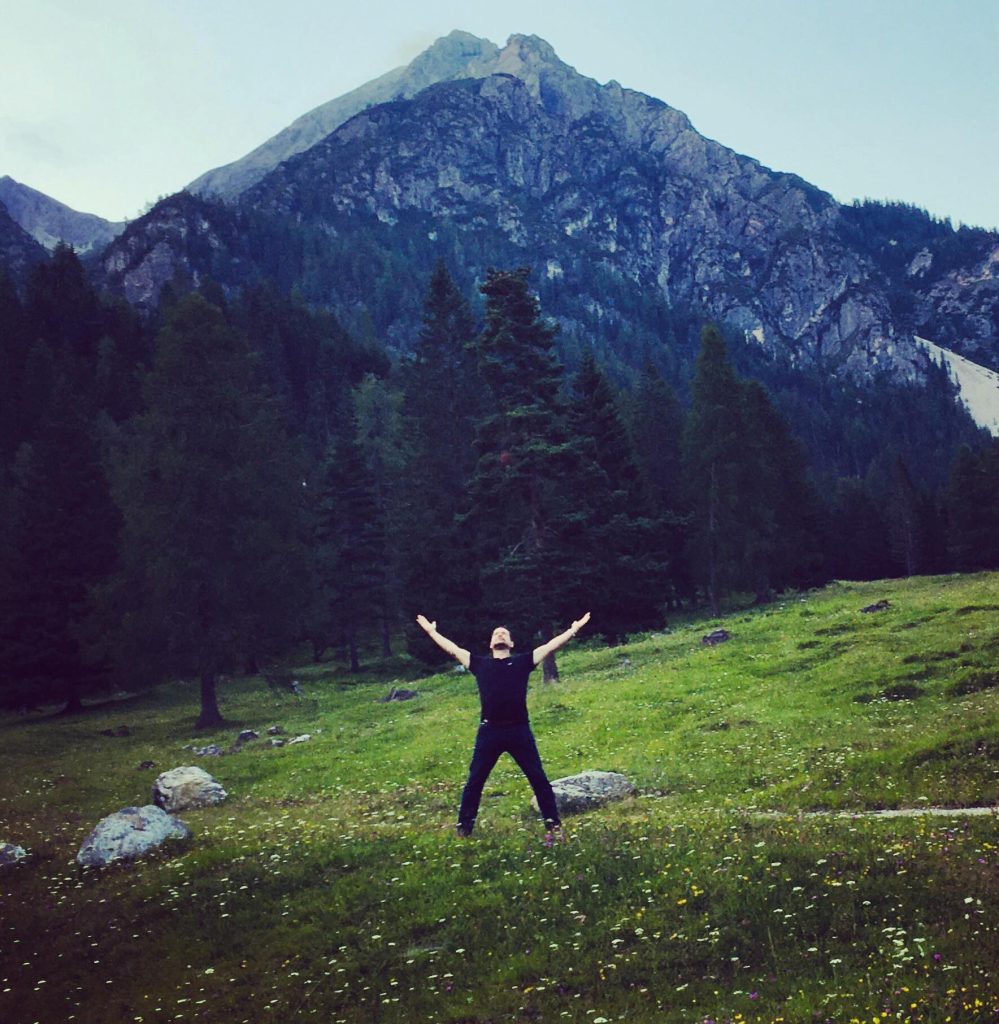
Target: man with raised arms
504,728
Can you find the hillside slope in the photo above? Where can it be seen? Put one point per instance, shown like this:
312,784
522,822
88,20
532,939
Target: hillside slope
330,884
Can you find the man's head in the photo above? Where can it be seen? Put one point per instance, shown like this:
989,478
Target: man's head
501,642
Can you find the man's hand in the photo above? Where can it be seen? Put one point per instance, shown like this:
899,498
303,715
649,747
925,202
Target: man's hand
463,656
579,623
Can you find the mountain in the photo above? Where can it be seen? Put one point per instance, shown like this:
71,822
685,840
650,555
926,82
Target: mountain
632,221
457,55
49,222
18,250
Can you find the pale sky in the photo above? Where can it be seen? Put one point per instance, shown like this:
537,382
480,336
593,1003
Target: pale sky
107,105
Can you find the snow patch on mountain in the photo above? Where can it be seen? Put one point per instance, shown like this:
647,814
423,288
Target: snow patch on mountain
978,385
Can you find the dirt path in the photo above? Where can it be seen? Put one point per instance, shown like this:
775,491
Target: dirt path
899,812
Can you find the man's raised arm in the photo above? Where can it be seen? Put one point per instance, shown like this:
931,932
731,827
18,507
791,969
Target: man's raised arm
442,642
542,652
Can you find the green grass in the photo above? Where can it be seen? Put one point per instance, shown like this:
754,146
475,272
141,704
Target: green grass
330,887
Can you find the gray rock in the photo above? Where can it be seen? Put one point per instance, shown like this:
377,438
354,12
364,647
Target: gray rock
301,739
588,790
246,735
212,750
718,636
397,693
130,832
11,854
186,787
274,741
275,730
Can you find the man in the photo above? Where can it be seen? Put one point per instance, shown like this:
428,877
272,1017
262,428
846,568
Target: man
504,728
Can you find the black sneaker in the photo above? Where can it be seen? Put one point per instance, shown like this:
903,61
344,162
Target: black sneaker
464,831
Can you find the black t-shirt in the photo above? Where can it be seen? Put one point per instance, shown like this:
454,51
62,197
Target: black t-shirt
503,687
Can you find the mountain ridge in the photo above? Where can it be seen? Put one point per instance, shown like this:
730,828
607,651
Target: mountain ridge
50,221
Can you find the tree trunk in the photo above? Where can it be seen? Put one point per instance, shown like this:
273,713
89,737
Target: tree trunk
386,637
74,705
355,664
549,669
211,717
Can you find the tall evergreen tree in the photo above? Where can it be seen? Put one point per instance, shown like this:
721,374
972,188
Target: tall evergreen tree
713,470
443,394
210,489
351,539
623,542
973,509
779,506
385,447
905,520
524,511
857,539
64,534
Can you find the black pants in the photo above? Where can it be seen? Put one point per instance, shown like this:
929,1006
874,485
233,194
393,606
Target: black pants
517,741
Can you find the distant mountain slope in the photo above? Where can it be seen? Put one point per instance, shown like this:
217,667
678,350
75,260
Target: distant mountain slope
49,222
18,250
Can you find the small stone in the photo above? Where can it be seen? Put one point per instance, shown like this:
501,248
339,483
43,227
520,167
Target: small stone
10,853
878,606
300,739
275,730
718,636
275,742
246,735
212,750
145,765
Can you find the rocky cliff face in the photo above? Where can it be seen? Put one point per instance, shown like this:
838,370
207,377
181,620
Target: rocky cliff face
50,222
961,309
601,189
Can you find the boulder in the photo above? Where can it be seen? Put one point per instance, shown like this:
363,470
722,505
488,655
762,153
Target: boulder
131,832
578,793
11,854
182,788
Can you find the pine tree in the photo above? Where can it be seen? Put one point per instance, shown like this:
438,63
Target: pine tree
857,547
779,506
905,520
351,538
623,542
656,426
64,538
972,502
442,396
384,444
524,512
713,470
210,488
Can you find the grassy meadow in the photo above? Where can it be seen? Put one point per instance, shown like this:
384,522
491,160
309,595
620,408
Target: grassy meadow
330,885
